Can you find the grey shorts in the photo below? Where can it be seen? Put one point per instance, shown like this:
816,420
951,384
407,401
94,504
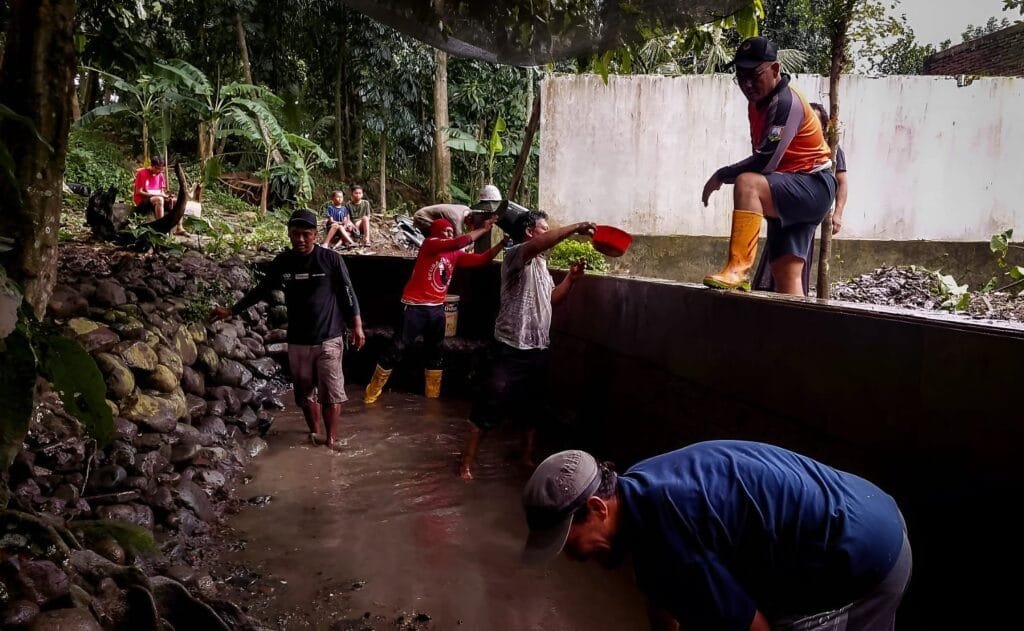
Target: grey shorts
802,200
316,371
874,612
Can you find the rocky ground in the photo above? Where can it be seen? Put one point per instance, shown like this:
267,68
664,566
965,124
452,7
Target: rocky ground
388,240
919,289
118,537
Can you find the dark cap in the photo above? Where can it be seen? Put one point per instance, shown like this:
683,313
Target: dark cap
303,218
559,487
753,52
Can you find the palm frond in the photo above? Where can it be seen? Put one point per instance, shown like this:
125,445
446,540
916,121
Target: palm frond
265,121
793,60
187,75
103,110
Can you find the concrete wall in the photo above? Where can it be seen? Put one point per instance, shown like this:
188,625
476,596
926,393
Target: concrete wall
924,407
927,407
999,54
928,159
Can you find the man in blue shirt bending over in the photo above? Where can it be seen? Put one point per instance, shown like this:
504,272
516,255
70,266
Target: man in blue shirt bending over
730,535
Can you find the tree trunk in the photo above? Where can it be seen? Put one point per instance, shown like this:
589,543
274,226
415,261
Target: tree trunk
243,49
265,189
347,97
442,154
841,15
531,101
383,171
339,124
359,146
206,137
92,81
35,81
76,104
524,153
145,143
205,148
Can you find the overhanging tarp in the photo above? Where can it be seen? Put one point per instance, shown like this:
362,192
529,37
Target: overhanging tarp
536,32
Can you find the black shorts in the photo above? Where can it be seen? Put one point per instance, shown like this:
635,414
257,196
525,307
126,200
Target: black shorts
515,383
801,200
418,320
145,207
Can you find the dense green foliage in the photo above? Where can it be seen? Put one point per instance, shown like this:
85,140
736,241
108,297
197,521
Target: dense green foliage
571,250
97,162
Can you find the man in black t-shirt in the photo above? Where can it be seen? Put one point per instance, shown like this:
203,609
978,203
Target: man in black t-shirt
320,299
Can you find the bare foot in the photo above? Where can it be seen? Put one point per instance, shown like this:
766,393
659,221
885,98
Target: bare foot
317,439
335,446
465,473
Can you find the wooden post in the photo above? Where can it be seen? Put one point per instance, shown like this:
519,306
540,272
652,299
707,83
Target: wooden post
841,14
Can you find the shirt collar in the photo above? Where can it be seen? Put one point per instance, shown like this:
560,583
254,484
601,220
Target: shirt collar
780,86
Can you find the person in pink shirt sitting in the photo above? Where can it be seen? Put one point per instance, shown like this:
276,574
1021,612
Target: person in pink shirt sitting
150,190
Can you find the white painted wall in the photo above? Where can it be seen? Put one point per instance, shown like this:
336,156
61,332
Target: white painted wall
927,159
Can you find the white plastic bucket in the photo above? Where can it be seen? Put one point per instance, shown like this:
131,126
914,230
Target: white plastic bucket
451,315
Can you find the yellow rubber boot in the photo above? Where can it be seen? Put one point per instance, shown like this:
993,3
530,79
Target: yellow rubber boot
746,226
376,385
432,380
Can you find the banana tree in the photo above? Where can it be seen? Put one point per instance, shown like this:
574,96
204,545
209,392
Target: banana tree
253,121
494,146
149,101
301,160
213,103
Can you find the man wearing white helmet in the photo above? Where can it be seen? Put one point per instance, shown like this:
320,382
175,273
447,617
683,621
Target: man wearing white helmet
459,215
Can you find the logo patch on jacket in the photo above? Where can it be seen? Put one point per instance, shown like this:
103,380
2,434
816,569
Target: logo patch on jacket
775,133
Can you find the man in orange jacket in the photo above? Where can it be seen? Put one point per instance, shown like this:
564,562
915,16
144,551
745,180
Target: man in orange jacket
787,179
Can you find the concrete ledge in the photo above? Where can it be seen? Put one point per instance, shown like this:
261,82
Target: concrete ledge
690,258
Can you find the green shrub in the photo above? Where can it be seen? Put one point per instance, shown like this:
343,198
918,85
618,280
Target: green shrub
202,297
569,251
94,161
226,201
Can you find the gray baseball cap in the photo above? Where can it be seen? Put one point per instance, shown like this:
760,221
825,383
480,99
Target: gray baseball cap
559,487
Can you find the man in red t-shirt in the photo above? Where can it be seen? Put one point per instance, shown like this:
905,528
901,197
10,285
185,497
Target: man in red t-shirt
423,298
150,190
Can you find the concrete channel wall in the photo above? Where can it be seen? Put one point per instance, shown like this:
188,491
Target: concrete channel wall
928,407
933,165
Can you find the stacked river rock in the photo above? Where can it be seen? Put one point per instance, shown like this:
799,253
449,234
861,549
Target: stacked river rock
190,403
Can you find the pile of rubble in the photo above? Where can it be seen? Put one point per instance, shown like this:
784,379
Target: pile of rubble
116,536
908,287
920,289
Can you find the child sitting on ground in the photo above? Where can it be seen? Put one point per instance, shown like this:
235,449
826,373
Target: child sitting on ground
339,222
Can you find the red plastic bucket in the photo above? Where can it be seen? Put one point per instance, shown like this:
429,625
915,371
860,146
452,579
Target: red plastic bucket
611,241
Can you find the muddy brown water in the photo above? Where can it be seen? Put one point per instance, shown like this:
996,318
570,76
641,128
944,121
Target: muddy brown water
385,536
